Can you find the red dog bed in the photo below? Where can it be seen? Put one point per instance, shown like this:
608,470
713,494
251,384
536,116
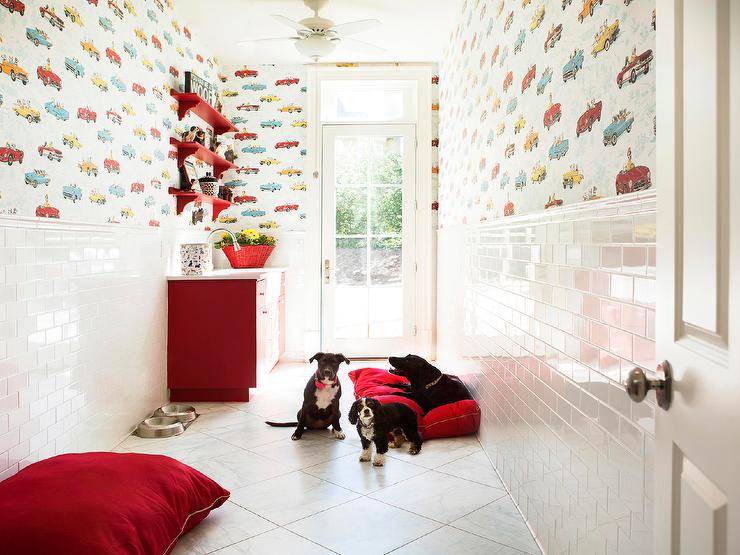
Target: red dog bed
454,419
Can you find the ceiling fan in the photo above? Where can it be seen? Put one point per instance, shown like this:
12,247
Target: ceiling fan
317,36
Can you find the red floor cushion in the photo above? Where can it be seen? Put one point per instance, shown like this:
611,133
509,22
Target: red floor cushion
454,419
103,503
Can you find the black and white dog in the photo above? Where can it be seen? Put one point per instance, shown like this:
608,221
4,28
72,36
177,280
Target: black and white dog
320,398
376,421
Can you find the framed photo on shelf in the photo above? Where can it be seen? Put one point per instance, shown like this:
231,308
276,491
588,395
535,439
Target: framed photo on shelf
201,87
188,175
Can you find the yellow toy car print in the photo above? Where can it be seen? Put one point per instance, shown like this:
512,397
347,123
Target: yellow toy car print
129,7
501,128
572,177
141,36
97,197
71,141
90,49
269,162
539,15
605,37
298,187
299,123
87,166
99,82
269,98
290,108
290,172
519,125
226,220
73,15
229,93
539,173
146,158
24,110
531,141
139,132
14,71
128,109
147,64
269,224
126,212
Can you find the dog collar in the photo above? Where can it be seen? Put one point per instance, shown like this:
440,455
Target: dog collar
320,385
427,386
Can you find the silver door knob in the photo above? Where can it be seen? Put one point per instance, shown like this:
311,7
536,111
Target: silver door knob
638,384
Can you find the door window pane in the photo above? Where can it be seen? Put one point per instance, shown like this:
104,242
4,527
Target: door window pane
386,210
385,261
387,168
351,262
351,211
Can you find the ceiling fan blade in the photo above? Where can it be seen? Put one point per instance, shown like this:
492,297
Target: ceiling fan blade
360,45
273,39
353,27
290,23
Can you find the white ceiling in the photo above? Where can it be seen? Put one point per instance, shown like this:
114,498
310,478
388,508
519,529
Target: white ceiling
411,30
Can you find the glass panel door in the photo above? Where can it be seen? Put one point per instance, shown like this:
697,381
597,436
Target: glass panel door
368,199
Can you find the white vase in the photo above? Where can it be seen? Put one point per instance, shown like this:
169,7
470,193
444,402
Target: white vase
195,259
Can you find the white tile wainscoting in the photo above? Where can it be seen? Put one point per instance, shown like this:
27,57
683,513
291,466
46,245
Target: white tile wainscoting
82,334
546,313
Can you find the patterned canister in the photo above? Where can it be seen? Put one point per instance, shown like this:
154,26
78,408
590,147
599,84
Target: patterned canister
195,259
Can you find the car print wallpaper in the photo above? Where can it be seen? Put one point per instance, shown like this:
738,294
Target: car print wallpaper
267,104
85,108
545,104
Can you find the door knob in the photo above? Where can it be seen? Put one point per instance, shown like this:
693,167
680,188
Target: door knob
638,384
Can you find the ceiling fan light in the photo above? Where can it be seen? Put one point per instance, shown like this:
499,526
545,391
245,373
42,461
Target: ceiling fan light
315,47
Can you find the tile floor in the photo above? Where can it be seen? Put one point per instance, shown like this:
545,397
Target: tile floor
314,497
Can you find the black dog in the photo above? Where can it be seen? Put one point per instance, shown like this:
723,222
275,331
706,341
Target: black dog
430,388
320,398
376,421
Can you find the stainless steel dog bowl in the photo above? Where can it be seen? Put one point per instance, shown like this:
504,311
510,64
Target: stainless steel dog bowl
184,413
160,426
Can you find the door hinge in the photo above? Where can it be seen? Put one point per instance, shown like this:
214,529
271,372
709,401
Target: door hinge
416,266
416,204
416,331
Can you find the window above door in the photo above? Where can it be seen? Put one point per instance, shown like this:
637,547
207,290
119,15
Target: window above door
355,101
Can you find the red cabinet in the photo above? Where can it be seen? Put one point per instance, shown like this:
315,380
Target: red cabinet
223,333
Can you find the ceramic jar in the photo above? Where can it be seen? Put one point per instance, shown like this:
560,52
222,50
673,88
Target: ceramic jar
195,259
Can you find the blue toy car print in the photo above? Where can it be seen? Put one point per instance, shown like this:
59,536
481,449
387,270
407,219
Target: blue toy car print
165,209
37,37
116,191
520,41
57,110
271,123
521,181
254,149
106,24
238,119
511,106
545,78
129,49
160,66
36,178
254,87
72,192
235,183
620,123
558,149
105,136
167,37
151,108
167,123
118,84
149,201
128,151
151,14
253,213
303,152
74,66
272,187
504,181
159,155
573,66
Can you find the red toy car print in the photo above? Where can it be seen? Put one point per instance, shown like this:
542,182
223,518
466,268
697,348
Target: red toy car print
49,13
286,144
287,81
509,209
435,142
243,199
186,32
507,81
86,114
495,170
138,89
48,151
174,72
633,66
114,116
247,170
156,183
153,223
553,36
156,42
246,73
248,107
435,79
48,77
286,207
14,6
137,187
587,119
112,165
10,154
46,210
527,81
113,56
635,179
245,136
494,56
199,58
552,115
154,132
93,2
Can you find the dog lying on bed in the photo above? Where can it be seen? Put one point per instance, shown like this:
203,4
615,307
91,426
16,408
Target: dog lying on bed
429,387
320,398
375,422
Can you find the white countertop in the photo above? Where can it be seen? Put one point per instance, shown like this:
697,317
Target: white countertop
245,273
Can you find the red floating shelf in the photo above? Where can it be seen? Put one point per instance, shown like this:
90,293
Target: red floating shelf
191,102
185,197
220,165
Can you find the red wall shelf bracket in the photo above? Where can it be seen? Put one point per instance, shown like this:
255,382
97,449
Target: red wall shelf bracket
220,165
191,102
186,197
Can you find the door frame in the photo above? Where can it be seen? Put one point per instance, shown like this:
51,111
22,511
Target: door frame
328,213
425,259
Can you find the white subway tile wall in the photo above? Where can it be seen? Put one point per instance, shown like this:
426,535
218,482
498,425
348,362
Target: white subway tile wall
558,307
82,336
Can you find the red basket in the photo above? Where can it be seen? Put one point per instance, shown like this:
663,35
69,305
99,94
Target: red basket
251,256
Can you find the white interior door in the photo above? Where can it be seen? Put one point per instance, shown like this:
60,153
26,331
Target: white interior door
697,463
368,202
